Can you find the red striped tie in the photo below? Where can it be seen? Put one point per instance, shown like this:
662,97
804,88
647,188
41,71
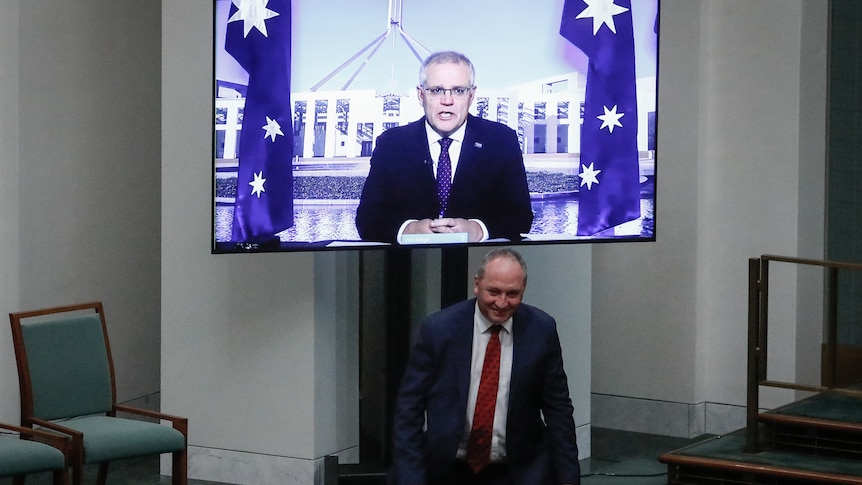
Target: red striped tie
479,444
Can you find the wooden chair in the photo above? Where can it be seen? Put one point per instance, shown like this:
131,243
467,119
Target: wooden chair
66,376
24,451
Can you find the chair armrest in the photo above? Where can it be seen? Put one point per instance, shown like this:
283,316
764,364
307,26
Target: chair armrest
59,441
50,425
179,423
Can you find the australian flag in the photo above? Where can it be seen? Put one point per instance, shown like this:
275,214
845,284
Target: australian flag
609,192
258,37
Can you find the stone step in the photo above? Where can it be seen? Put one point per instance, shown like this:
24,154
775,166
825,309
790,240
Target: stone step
721,460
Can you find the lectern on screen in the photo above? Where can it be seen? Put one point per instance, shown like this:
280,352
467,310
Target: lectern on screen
302,90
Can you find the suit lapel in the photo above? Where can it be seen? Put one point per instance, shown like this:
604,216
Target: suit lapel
464,351
470,151
520,342
420,138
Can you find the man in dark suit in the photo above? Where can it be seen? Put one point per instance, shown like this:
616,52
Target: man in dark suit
441,413
478,162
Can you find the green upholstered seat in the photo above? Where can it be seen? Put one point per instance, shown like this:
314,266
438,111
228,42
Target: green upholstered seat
109,438
20,457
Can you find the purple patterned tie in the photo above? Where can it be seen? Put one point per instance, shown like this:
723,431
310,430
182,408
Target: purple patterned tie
479,443
444,174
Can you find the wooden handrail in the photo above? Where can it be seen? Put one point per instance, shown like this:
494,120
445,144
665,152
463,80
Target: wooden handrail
758,323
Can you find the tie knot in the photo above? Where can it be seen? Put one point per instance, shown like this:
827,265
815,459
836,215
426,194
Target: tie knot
444,143
495,329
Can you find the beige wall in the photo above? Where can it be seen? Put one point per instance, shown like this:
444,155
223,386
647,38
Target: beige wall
250,342
9,265
740,174
80,174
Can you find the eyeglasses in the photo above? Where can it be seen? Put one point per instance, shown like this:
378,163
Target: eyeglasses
456,92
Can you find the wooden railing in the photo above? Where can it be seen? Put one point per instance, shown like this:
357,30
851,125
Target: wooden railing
758,317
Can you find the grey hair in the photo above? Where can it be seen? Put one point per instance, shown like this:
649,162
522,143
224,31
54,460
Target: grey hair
502,253
445,57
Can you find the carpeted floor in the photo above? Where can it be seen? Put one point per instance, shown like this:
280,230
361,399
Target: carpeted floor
618,458
138,471
627,458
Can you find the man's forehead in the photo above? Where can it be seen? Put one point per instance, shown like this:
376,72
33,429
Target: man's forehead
447,70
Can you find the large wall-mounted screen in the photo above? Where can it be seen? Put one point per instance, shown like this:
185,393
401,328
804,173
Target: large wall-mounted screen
303,90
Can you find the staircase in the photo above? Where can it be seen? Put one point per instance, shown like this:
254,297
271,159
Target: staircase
816,440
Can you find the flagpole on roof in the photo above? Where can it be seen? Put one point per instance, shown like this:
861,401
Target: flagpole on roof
393,24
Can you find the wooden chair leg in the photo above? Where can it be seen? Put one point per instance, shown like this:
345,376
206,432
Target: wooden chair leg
76,458
103,474
61,477
77,473
180,469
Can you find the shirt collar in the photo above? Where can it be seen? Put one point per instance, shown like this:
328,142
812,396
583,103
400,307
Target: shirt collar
434,137
483,324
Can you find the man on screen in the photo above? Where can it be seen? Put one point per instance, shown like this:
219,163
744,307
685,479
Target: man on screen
448,172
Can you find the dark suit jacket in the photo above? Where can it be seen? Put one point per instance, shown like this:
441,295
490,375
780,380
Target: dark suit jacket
435,387
490,183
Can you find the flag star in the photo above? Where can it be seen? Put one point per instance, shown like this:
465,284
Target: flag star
589,176
602,12
257,184
253,14
272,128
610,119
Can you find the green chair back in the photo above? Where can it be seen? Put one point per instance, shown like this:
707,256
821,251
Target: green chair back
69,368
